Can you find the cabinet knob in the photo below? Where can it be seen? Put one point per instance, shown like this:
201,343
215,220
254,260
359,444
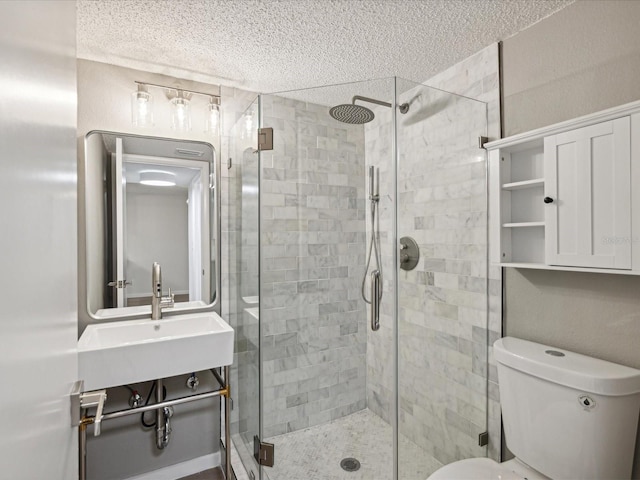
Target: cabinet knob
548,200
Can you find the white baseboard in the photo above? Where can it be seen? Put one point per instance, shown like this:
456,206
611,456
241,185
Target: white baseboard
179,470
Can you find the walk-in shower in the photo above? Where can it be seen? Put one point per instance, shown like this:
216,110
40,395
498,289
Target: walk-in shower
308,222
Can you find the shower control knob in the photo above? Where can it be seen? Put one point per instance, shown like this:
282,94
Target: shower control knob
410,253
548,200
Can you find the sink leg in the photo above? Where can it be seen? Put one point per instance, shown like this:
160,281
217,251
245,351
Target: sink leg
82,447
227,420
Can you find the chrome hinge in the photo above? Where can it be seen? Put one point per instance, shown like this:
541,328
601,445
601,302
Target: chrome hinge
265,138
483,439
263,452
76,392
482,141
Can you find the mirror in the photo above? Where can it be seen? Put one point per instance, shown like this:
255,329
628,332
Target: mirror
147,200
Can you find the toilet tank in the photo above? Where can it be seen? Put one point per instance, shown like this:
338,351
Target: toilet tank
565,414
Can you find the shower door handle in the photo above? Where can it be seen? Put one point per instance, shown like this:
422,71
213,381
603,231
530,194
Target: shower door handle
375,300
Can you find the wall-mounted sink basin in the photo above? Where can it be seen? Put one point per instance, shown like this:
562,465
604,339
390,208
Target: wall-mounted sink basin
120,353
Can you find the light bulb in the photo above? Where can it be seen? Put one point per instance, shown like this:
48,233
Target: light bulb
248,125
180,114
142,107
212,118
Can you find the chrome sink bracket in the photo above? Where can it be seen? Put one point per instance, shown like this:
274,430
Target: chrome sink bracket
76,392
95,398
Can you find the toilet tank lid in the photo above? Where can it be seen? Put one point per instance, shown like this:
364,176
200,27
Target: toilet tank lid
567,368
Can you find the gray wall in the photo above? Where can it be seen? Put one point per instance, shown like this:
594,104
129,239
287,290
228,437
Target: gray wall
104,103
583,59
38,364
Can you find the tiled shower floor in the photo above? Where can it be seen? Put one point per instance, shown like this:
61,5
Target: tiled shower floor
315,453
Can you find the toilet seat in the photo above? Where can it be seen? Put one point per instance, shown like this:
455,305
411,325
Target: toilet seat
486,469
475,469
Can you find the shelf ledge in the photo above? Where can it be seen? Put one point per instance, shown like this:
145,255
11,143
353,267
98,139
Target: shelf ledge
536,182
523,224
542,266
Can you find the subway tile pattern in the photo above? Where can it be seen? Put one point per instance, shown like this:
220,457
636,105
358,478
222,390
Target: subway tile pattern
443,303
312,246
477,77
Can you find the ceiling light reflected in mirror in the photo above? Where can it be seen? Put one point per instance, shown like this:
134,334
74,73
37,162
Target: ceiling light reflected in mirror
157,178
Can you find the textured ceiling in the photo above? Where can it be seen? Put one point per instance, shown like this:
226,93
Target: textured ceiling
277,45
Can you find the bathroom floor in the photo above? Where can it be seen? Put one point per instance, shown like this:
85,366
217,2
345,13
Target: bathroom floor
213,474
315,453
217,473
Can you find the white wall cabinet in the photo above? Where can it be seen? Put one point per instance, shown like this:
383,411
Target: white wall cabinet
562,197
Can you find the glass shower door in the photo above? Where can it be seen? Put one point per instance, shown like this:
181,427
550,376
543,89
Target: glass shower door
319,355
443,301
242,231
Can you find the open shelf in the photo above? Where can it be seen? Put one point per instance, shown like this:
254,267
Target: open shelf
536,182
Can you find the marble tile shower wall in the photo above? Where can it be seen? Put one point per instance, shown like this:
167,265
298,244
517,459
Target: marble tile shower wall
477,77
443,302
312,237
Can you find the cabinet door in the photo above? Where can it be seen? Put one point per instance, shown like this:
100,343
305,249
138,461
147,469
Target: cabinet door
588,196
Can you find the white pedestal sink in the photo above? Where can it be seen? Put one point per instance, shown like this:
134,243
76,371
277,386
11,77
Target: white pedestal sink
120,353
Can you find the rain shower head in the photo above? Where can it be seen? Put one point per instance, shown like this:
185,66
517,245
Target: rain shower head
357,114
350,113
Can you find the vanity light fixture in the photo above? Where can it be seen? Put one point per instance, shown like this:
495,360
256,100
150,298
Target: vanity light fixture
181,104
157,178
142,107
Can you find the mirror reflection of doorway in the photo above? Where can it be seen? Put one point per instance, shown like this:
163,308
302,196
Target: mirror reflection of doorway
157,216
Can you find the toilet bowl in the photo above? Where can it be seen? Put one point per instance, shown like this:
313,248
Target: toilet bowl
552,402
486,469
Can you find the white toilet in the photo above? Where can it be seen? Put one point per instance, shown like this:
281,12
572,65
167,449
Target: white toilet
566,416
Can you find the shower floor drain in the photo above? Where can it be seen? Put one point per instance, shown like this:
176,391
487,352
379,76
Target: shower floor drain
350,464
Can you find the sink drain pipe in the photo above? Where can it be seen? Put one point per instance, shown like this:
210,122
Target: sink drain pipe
163,416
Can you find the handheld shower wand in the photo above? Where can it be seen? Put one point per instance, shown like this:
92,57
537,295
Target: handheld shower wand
376,274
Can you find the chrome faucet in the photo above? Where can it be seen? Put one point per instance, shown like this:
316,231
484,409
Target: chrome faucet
158,302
